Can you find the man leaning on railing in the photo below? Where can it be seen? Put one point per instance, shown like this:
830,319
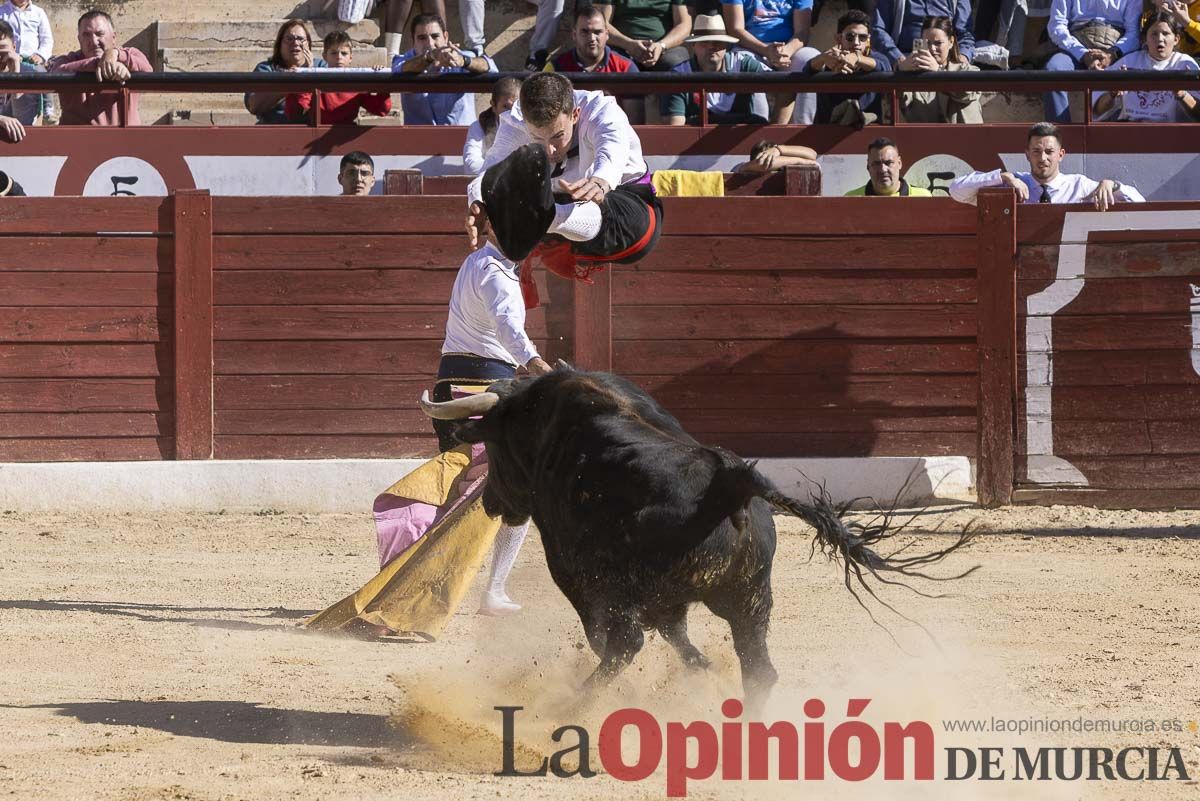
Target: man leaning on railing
99,53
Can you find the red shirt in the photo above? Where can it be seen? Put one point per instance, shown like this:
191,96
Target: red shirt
612,62
337,107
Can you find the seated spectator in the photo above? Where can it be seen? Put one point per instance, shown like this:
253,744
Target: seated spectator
482,132
651,32
937,49
356,173
1090,34
434,54
776,32
851,54
16,110
293,50
1160,33
591,53
1187,15
34,41
9,187
767,157
99,53
885,168
711,53
1044,183
896,23
338,108
394,15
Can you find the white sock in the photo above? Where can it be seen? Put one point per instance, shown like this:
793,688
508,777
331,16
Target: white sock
391,43
579,222
504,557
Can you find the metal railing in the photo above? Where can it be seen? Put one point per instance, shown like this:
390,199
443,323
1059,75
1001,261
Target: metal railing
1011,81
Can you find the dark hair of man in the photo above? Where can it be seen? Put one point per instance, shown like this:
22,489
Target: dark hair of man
335,39
853,17
356,158
1043,129
946,26
544,96
427,19
586,12
880,144
277,53
95,13
6,31
505,87
1161,16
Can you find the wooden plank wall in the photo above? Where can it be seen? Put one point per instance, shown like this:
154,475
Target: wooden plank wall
1121,393
838,327
86,365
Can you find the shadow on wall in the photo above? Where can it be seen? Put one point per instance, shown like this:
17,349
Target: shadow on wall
239,722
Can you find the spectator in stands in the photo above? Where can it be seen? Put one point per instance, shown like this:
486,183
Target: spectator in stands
545,29
711,53
591,53
34,41
767,156
394,15
651,32
338,108
356,173
1090,34
1044,183
1187,15
16,110
1160,33
776,32
434,54
897,23
852,53
937,49
885,168
99,53
9,187
293,50
482,132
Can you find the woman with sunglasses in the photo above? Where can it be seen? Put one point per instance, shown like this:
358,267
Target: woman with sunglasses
937,49
293,50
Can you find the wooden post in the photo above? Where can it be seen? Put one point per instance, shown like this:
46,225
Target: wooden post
802,180
996,272
593,322
193,324
404,182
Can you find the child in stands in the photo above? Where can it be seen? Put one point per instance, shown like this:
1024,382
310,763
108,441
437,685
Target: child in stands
338,107
34,41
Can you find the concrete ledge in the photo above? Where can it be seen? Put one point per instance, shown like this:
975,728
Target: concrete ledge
350,485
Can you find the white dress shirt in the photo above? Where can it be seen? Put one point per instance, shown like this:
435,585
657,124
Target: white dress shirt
609,148
31,28
474,149
487,310
1063,188
1067,15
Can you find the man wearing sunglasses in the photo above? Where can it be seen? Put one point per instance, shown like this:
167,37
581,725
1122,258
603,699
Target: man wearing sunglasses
851,54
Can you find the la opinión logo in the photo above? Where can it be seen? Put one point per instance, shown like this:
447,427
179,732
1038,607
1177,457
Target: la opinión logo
853,750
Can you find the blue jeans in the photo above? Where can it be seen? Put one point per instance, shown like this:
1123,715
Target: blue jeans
1058,104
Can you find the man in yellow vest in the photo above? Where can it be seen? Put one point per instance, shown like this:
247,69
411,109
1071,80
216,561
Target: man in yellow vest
885,168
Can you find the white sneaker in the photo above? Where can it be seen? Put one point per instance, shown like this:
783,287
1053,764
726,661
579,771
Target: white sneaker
498,605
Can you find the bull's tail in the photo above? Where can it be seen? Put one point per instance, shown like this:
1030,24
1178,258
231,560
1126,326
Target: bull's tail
854,544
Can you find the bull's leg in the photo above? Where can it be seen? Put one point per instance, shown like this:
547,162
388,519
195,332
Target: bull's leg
749,616
622,642
673,628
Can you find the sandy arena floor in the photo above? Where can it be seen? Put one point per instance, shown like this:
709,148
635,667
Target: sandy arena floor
158,658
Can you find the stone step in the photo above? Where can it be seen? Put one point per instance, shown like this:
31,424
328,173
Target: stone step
255,34
242,59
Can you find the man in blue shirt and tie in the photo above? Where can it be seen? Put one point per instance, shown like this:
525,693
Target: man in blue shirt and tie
433,54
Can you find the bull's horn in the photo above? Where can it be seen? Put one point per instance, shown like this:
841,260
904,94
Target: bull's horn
562,365
459,408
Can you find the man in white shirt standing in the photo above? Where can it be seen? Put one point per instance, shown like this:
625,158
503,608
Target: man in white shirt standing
1044,183
486,342
604,204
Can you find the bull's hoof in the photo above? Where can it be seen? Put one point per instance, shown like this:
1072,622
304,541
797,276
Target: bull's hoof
696,661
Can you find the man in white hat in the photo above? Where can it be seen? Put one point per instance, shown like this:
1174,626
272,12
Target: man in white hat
710,48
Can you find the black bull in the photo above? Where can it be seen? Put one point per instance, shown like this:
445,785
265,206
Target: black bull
639,520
